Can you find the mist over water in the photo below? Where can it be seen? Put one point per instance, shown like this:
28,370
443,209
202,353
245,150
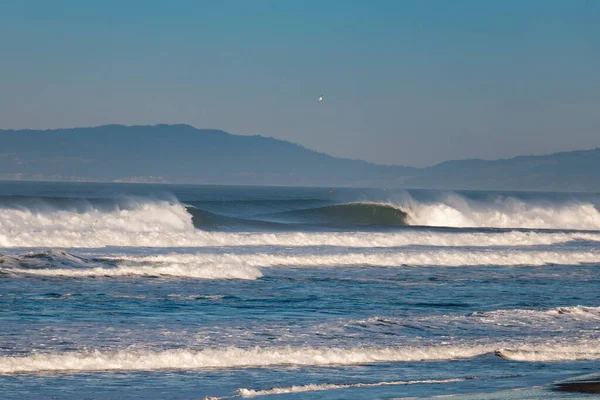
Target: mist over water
293,292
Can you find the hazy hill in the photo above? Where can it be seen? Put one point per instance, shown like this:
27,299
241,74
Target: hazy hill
178,154
566,171
183,154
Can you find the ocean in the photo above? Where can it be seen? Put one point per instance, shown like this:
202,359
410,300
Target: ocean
113,291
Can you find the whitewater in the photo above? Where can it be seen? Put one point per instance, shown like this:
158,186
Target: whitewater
232,292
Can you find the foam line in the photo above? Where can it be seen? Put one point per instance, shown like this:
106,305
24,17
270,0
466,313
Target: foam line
186,359
389,259
552,353
575,313
129,360
332,386
173,271
249,266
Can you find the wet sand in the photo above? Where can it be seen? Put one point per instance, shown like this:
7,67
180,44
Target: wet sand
578,387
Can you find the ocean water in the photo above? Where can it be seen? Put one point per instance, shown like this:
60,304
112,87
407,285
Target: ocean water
112,291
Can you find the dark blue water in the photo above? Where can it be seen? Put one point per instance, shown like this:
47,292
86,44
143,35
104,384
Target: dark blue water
152,291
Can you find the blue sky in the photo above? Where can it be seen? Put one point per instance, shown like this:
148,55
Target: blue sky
405,82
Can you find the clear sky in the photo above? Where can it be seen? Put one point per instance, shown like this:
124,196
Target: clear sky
405,82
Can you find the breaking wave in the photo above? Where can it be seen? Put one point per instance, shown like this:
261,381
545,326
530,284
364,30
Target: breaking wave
392,259
332,386
454,210
143,224
168,223
130,360
187,359
61,264
247,266
560,320
174,271
458,211
536,317
552,353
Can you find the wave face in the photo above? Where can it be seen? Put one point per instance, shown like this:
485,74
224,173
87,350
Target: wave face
208,221
453,211
458,211
348,215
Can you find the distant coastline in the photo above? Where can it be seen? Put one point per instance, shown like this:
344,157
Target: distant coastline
181,154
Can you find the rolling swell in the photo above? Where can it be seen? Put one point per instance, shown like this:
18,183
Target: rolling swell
347,215
161,223
149,221
339,215
209,221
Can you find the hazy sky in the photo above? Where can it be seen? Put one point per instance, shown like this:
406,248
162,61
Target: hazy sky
405,82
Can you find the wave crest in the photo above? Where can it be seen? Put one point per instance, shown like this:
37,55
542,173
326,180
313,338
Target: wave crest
129,360
187,359
552,353
61,264
332,386
247,266
503,212
161,223
391,259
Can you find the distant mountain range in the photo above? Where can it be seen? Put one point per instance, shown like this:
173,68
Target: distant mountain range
183,154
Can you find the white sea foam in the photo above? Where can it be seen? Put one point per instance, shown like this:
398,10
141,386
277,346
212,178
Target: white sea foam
537,317
168,224
509,212
435,257
248,266
185,359
206,271
332,386
560,319
129,360
147,224
549,353
392,239
52,263
44,259
579,319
